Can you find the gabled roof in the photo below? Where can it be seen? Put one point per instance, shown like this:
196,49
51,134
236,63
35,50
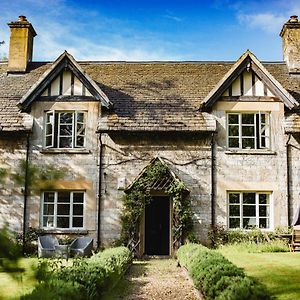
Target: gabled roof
161,184
64,61
152,96
248,60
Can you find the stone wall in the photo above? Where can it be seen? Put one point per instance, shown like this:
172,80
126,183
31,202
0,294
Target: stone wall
252,170
82,166
126,156
12,151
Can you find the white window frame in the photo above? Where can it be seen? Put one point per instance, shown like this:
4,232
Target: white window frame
257,217
51,124
56,134
264,132
71,203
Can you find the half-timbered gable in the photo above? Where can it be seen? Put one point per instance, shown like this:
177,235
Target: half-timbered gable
64,81
248,84
66,84
249,80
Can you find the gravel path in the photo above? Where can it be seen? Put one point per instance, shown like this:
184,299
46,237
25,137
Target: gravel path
156,279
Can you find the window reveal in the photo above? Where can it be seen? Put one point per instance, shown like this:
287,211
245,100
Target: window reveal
63,209
248,130
248,210
65,129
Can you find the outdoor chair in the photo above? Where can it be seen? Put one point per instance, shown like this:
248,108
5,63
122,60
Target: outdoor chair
46,246
82,246
295,240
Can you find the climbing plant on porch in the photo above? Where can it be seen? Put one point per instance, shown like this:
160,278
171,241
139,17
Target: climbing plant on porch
155,177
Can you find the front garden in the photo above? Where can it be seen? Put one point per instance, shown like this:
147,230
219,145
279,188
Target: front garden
242,265
278,271
76,278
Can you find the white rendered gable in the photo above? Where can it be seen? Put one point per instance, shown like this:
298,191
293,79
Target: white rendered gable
248,84
66,84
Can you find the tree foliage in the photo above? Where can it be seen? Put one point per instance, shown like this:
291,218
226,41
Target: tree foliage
10,252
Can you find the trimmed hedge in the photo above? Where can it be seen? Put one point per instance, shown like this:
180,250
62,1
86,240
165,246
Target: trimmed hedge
216,277
85,279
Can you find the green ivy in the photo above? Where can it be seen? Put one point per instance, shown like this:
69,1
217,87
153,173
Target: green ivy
139,195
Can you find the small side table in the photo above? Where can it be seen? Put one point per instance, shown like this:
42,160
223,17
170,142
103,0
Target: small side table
62,251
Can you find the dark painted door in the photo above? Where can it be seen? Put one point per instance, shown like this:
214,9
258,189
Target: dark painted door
157,226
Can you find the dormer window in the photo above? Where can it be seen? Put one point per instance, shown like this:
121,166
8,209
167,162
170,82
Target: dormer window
248,130
65,129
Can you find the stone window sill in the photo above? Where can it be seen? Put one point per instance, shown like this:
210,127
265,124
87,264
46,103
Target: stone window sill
66,231
251,152
249,230
66,151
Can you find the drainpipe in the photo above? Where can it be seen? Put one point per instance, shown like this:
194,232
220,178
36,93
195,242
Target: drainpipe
99,190
288,196
26,190
212,148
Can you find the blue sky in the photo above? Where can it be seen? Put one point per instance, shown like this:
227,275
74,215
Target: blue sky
152,30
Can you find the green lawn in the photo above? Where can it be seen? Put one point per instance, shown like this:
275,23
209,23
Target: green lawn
279,271
12,287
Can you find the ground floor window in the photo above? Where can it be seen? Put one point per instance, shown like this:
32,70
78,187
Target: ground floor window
63,209
249,209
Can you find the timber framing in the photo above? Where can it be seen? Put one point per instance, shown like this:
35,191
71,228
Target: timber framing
248,62
63,62
66,98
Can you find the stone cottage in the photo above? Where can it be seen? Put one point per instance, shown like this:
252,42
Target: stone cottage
228,130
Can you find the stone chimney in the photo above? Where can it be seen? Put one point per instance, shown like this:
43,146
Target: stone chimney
290,34
20,45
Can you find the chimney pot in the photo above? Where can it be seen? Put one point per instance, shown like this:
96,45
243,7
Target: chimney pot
293,19
22,19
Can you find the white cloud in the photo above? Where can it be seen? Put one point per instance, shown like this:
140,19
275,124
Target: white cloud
268,22
51,43
268,16
86,34
170,15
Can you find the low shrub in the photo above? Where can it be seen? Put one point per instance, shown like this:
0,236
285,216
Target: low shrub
216,277
220,235
56,289
244,288
86,278
30,239
273,246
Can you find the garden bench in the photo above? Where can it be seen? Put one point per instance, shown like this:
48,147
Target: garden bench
295,240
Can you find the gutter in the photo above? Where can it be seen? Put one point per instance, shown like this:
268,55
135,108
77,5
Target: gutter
26,194
288,194
212,192
99,191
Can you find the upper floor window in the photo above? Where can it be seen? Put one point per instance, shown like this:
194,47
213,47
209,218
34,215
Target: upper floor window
249,210
63,209
65,129
248,130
